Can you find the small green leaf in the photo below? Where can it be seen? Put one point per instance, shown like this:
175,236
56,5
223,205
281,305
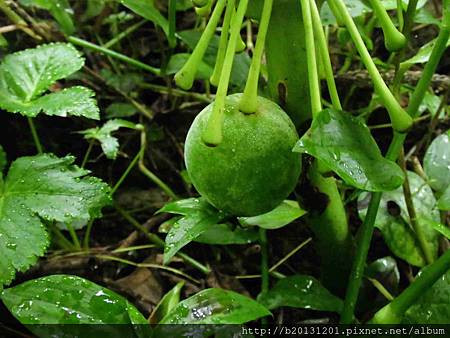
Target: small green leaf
422,56
285,213
393,220
385,271
436,162
186,206
177,62
300,291
444,230
222,234
109,143
167,304
433,307
26,75
216,306
148,11
65,299
187,229
118,110
344,144
444,200
36,188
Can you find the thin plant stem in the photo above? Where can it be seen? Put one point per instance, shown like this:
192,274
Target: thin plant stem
87,154
172,23
289,255
395,147
117,38
213,132
87,234
73,235
17,20
313,78
418,232
35,135
380,287
325,56
176,92
264,265
401,121
160,243
249,100
60,239
126,172
89,45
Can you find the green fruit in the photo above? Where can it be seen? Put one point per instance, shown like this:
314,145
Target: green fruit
253,169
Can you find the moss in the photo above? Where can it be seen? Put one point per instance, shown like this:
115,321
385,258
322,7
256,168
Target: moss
253,169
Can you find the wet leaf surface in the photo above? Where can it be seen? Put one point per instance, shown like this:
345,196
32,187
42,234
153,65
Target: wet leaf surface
436,163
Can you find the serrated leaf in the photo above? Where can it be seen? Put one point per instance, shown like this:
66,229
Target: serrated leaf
433,307
300,291
394,224
26,75
287,212
167,304
148,11
42,187
65,299
223,234
344,144
216,306
109,143
436,162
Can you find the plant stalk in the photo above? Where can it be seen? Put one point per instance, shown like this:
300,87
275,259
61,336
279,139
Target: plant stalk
35,135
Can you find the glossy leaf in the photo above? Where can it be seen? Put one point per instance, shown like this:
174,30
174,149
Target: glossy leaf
444,200
300,291
385,271
285,213
344,144
26,75
109,143
65,299
433,307
36,188
444,230
167,304
436,163
148,11
223,234
422,56
216,306
186,206
393,220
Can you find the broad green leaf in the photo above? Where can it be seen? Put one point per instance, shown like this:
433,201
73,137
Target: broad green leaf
433,307
177,62
119,110
344,144
148,11
241,62
436,162
300,291
222,234
393,220
109,143
187,229
3,160
285,213
444,200
59,9
26,75
216,306
37,188
422,56
65,299
167,304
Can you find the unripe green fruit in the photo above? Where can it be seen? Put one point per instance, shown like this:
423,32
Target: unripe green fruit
253,169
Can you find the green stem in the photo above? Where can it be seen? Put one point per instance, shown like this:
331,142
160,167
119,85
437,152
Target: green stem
172,23
229,12
35,135
73,235
86,44
393,39
325,56
313,79
249,100
401,121
186,75
126,172
264,264
117,38
160,243
394,149
17,20
87,234
394,311
60,239
87,154
213,132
